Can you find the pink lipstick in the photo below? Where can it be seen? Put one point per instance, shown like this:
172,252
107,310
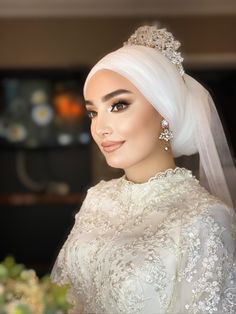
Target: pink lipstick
110,146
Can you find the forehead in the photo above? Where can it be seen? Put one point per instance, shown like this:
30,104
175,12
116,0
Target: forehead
106,81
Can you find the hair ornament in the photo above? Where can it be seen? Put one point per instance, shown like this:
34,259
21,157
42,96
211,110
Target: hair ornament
160,39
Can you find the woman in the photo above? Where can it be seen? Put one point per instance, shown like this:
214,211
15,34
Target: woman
154,240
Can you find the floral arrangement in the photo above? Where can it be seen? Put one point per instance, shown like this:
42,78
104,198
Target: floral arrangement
22,292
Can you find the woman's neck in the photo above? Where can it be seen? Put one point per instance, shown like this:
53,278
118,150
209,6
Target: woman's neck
141,174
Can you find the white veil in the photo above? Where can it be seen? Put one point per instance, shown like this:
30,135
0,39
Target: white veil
187,106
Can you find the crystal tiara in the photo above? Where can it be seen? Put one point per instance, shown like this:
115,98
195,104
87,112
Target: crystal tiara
160,39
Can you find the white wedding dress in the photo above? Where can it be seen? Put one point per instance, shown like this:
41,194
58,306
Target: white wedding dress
163,246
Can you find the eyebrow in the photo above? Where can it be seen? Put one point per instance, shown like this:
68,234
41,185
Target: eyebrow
110,95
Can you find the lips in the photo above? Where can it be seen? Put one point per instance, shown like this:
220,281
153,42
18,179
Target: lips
111,146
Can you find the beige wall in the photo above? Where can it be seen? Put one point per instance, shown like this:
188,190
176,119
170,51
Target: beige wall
53,42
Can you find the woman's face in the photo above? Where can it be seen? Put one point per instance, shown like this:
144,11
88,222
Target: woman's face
124,124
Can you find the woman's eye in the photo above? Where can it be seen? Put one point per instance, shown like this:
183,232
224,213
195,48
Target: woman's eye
91,114
119,106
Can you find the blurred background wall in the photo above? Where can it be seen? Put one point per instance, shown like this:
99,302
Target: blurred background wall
58,41
68,35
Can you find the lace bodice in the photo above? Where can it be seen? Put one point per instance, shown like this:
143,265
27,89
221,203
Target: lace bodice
163,246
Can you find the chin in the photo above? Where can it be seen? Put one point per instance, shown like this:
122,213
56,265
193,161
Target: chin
117,163
114,164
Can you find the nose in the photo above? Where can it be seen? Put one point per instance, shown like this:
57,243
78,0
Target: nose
102,125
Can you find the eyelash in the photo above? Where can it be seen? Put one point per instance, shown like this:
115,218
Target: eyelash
121,102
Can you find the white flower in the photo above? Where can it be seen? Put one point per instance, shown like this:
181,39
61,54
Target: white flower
42,114
38,97
16,133
64,139
11,307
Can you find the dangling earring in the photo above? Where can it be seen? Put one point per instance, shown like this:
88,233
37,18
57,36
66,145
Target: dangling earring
166,134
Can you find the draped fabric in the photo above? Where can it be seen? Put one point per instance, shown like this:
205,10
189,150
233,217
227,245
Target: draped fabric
163,246
186,105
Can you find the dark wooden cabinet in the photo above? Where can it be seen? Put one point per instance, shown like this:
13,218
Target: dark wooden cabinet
34,225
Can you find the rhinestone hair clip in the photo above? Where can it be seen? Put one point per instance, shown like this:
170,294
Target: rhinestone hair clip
160,39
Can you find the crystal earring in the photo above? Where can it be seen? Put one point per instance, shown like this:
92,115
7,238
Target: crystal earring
166,134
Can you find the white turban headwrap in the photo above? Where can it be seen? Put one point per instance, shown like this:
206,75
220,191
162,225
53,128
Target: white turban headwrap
186,105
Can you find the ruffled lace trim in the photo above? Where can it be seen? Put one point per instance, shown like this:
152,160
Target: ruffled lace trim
161,175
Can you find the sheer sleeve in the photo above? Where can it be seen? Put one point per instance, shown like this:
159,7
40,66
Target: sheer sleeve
206,274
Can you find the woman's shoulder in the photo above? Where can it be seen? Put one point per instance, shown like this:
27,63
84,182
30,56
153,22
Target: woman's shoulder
102,189
199,205
211,215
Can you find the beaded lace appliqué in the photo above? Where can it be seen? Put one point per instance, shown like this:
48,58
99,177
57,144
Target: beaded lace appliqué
161,175
155,247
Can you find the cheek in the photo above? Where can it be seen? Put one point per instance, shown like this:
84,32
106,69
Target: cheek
93,133
95,136
144,129
139,130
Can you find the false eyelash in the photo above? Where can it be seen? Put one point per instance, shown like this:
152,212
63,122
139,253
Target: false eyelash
122,102
88,112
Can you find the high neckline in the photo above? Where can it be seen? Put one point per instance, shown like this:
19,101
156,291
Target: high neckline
170,172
